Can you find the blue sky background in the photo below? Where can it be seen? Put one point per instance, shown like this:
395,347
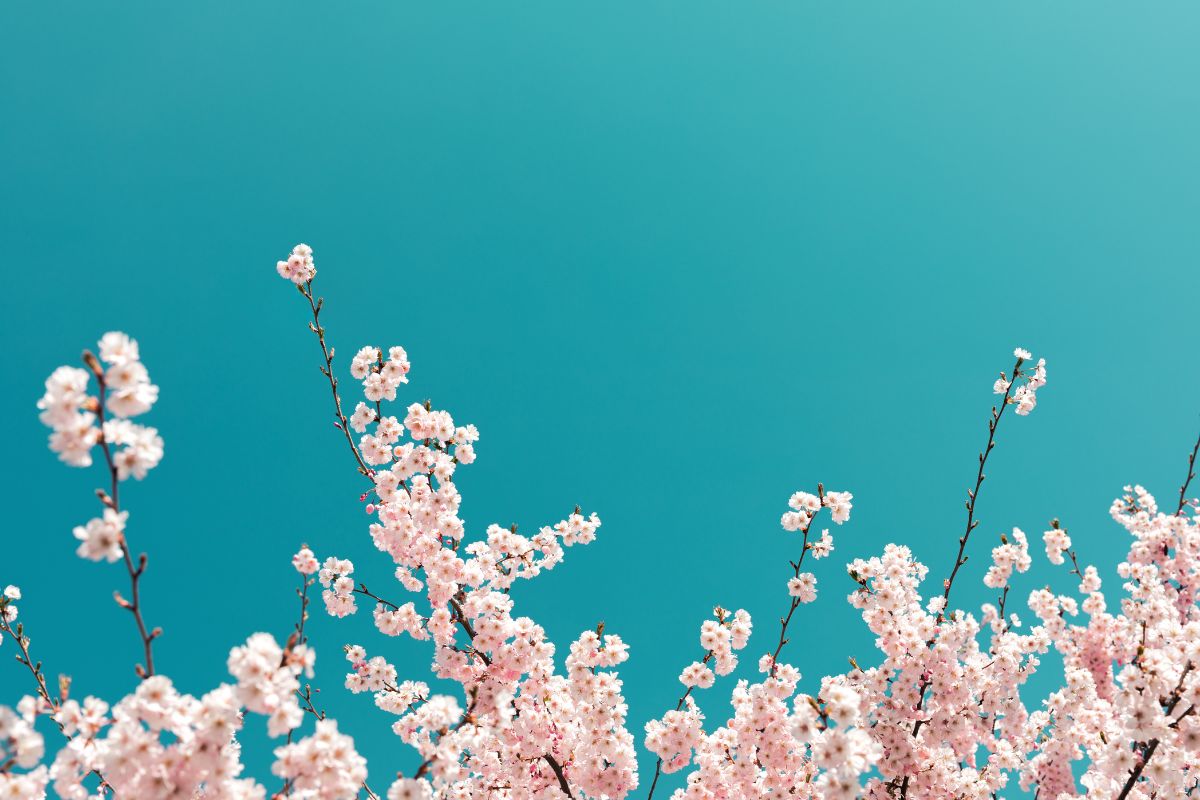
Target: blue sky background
675,260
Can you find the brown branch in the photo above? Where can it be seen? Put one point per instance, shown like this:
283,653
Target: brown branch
112,500
1187,481
25,659
708,656
39,678
960,559
316,304
362,589
1152,745
310,708
973,495
298,638
558,773
467,717
784,621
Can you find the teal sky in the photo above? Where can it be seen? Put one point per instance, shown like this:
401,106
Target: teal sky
675,260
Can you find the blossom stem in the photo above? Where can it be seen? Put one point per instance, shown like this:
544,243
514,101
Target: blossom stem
785,621
112,500
24,658
298,638
972,523
39,678
315,326
708,656
316,304
973,495
1187,481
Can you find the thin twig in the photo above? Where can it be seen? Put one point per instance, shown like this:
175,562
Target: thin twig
35,668
784,621
783,625
1191,474
316,304
112,500
973,495
960,559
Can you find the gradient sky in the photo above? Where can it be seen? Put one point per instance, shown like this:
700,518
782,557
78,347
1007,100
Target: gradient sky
676,261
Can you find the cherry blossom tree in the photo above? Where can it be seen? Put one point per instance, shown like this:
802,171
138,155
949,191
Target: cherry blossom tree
938,713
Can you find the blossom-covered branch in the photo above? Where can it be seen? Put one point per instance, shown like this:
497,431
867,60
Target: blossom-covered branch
937,714
81,421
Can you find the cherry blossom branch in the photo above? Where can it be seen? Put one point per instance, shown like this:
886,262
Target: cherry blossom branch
1152,745
298,638
310,708
960,559
112,500
26,660
708,656
363,590
783,622
35,669
316,304
1002,601
973,495
1187,481
467,717
796,601
1075,570
558,773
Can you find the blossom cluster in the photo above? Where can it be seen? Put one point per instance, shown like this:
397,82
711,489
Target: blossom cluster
80,421
22,746
298,267
1024,396
939,711
160,743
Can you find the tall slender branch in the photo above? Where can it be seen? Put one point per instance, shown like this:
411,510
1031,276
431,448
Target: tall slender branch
316,304
785,621
708,656
35,668
1151,746
298,638
112,500
783,626
24,658
960,559
973,494
1187,481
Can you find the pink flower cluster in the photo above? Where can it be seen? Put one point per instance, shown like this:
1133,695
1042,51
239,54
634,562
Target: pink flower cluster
942,711
77,418
22,746
298,267
323,766
157,743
